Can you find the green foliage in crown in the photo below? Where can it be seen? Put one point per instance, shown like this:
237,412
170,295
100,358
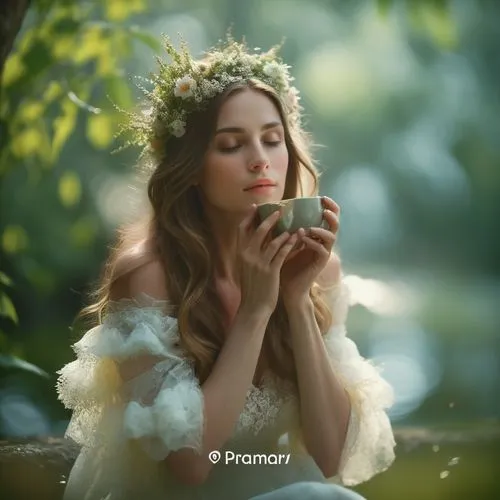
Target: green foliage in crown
183,85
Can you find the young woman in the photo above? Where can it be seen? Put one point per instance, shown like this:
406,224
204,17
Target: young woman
220,367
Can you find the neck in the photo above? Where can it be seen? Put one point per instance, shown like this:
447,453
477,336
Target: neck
224,227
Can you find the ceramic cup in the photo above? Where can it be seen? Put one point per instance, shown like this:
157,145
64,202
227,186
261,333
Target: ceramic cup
295,213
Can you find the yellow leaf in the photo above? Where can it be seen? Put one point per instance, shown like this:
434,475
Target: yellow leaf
26,143
70,189
53,91
118,10
100,130
441,26
137,6
13,70
14,239
64,47
92,45
30,111
106,64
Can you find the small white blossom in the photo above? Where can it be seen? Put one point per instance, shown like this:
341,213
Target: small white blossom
273,70
178,128
185,87
208,89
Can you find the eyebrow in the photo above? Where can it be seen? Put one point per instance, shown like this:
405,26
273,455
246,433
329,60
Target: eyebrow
239,130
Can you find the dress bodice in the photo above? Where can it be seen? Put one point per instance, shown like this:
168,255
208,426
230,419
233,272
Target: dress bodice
161,410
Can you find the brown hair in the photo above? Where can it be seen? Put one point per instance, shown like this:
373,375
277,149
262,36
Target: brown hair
178,234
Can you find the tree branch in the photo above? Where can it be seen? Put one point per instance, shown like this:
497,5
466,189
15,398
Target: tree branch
12,14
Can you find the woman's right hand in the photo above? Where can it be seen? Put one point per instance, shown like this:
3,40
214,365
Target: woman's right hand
261,258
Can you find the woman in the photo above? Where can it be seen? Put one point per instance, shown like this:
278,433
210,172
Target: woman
219,367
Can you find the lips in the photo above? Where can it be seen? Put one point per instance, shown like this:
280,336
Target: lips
263,183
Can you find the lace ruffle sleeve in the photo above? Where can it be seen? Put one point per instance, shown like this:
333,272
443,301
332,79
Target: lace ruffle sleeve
161,406
369,446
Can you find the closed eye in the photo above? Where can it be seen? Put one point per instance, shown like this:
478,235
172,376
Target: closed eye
231,149
272,143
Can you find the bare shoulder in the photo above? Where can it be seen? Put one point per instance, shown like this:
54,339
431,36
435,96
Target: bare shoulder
331,274
142,275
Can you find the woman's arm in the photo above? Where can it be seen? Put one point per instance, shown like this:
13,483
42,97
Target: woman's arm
224,394
225,390
323,400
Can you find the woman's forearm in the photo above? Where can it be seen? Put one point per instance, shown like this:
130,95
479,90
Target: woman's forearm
324,404
226,388
224,395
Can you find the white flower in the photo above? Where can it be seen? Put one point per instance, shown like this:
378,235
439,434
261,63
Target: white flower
178,128
184,87
208,89
273,70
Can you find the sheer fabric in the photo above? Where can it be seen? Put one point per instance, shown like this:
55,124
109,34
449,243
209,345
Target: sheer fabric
126,428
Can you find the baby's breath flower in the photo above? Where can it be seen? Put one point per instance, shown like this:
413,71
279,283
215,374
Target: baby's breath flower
196,83
273,70
178,128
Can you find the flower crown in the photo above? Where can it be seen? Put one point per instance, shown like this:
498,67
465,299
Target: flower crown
184,85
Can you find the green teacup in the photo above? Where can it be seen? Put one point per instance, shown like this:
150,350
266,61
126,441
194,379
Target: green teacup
295,213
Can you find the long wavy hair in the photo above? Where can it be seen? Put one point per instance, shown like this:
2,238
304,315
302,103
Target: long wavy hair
177,232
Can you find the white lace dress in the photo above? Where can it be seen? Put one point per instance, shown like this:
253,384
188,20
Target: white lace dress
124,440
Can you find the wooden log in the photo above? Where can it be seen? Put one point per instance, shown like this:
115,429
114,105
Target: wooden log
38,468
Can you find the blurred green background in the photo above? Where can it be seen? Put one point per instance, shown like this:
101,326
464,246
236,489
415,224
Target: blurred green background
403,99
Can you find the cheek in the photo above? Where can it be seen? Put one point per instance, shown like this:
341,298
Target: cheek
220,168
281,160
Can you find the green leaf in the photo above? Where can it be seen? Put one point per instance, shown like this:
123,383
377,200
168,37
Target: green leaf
147,39
12,362
5,280
27,143
14,70
14,239
36,60
7,308
70,189
384,6
66,25
30,111
119,10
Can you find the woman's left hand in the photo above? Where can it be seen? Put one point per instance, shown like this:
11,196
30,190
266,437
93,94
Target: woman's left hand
303,266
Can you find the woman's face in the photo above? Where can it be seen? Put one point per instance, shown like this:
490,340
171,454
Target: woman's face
248,146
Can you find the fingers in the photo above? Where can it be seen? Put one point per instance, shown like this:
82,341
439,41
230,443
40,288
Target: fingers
276,244
318,235
283,252
316,245
332,219
248,221
329,204
264,229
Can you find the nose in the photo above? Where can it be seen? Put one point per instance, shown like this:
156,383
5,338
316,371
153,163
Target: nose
259,164
257,157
